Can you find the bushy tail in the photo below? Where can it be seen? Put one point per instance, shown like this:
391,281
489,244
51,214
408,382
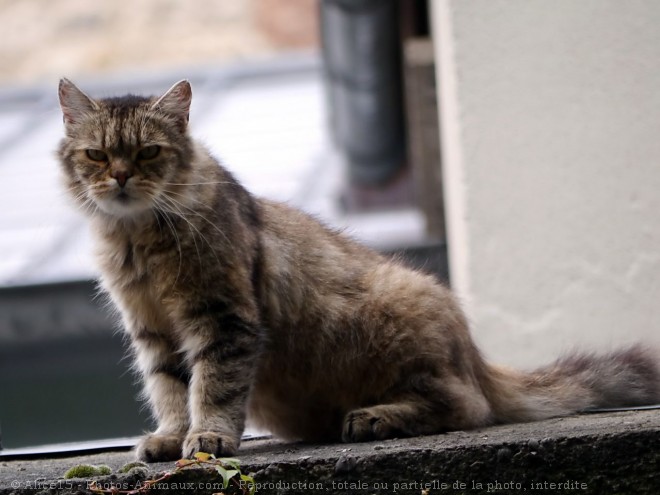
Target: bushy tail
630,377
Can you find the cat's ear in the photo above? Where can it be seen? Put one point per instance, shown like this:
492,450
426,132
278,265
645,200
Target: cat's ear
75,104
176,102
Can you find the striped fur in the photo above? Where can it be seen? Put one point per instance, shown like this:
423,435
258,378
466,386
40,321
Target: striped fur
239,306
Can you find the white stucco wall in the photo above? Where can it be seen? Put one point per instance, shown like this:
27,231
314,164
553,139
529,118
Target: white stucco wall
550,115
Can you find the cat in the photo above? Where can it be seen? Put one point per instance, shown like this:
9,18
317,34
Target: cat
236,306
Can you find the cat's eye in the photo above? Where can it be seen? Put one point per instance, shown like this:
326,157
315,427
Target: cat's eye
96,155
148,152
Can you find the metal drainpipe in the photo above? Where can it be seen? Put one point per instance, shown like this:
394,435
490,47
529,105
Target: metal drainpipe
361,53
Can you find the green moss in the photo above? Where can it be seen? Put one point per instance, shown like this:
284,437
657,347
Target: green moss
126,468
87,470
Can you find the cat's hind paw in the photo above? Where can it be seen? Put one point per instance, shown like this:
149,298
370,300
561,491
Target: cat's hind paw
364,425
159,448
210,442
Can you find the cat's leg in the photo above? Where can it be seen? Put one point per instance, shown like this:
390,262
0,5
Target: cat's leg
223,351
166,388
383,421
440,409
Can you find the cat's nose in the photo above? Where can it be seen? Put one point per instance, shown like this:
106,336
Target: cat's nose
121,176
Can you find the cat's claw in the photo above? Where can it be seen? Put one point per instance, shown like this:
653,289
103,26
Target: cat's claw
210,442
159,448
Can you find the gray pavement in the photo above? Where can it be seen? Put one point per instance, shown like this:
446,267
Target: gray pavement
587,454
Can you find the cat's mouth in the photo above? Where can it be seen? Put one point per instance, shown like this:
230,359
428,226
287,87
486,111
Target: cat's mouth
122,203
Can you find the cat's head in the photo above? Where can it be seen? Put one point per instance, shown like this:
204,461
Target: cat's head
124,155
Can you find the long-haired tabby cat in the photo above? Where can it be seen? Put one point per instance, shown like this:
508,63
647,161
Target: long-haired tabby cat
237,306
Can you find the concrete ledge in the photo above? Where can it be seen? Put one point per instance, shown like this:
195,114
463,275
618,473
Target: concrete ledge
612,453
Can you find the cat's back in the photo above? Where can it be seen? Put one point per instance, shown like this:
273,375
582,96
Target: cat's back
298,246
289,229
310,271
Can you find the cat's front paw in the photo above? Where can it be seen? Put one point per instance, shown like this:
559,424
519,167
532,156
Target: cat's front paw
210,442
159,448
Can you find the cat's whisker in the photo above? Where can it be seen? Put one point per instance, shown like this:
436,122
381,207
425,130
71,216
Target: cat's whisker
155,212
175,210
86,204
90,207
172,228
164,214
197,183
198,214
186,197
174,204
